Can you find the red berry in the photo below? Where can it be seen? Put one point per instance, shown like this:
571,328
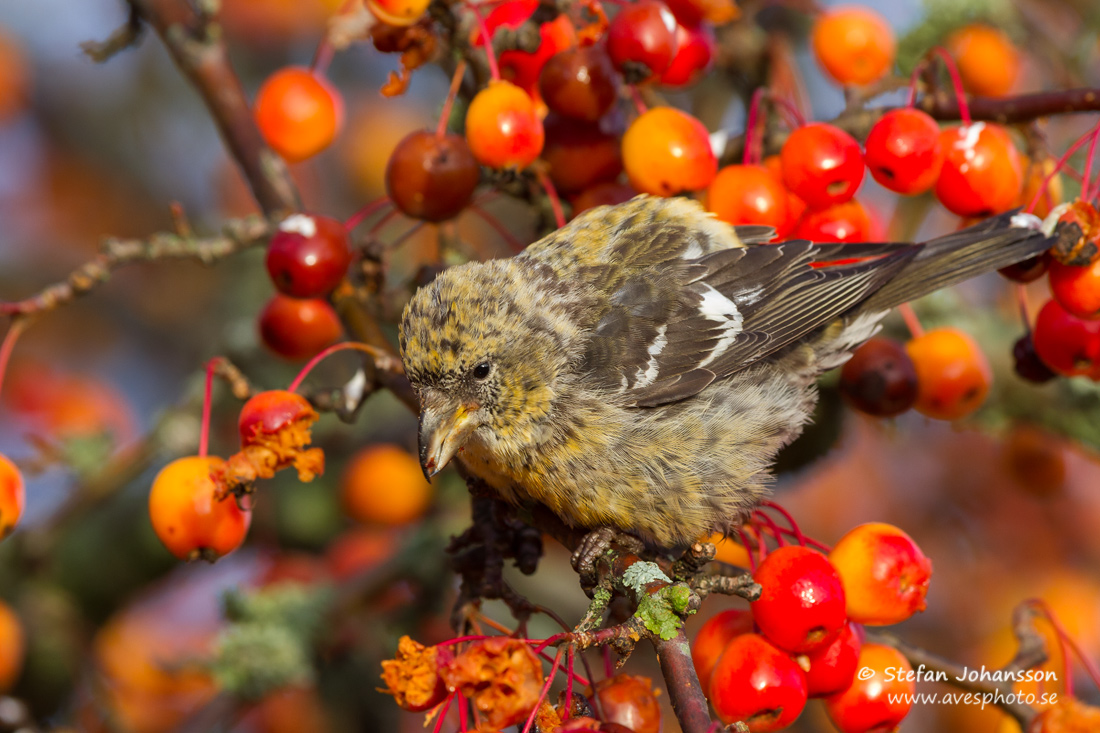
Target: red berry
641,40
695,49
522,68
298,112
952,373
845,222
756,683
1067,344
187,517
308,255
629,701
503,127
880,379
12,496
1027,364
878,702
1029,270
801,604
432,177
713,638
580,83
981,172
510,14
666,152
749,194
903,151
298,328
270,412
1077,289
855,45
579,155
822,164
885,574
830,669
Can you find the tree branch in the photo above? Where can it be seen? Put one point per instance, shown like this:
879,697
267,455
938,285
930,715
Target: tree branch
195,42
238,234
858,120
125,36
684,691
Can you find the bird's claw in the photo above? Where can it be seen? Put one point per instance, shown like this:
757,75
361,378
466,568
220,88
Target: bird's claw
595,545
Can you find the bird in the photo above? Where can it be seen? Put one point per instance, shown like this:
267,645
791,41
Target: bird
638,369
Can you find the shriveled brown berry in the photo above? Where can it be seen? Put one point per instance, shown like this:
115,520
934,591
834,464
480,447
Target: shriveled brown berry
880,379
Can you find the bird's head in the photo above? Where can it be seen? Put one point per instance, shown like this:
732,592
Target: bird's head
487,347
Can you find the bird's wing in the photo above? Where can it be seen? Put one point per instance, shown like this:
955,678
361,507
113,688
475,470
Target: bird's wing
640,233
664,333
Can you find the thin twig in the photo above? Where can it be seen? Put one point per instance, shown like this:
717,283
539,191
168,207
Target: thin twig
237,235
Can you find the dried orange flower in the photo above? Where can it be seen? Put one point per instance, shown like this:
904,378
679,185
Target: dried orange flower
413,676
501,675
275,434
415,43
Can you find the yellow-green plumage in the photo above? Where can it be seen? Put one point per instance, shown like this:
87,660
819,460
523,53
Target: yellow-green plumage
641,367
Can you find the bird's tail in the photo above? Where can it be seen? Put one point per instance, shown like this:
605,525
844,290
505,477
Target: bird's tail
994,243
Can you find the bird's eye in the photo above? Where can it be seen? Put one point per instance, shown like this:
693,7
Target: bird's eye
481,371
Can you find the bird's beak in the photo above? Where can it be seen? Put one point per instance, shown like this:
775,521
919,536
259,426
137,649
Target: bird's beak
443,431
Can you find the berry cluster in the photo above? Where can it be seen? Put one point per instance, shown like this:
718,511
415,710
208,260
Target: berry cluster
804,637
502,678
942,373
1066,337
307,257
200,506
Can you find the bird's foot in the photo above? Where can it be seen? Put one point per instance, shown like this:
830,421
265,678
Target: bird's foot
597,544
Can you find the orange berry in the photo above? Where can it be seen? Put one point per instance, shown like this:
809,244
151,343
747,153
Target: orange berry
749,194
884,573
12,496
383,484
187,518
855,45
988,62
298,112
666,152
12,646
503,126
398,12
730,551
953,376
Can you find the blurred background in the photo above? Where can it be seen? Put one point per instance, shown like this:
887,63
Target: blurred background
103,392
